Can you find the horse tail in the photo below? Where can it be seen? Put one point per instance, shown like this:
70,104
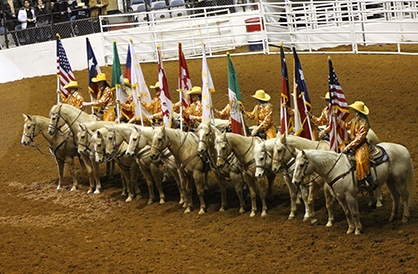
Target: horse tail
410,183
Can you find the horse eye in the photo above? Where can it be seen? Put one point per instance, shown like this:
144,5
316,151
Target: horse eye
223,148
53,118
160,139
262,159
135,139
110,138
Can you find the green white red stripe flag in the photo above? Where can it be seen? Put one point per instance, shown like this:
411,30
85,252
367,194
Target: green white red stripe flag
234,98
207,89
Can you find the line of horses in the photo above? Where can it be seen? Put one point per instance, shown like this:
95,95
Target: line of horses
160,153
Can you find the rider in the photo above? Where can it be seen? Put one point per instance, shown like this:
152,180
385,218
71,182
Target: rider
106,98
128,107
263,114
194,109
75,99
155,106
359,127
322,120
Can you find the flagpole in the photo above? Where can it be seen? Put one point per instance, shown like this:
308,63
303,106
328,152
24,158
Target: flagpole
58,89
118,89
180,89
243,124
91,100
140,104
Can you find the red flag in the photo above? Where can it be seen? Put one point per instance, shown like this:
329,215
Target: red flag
166,103
185,83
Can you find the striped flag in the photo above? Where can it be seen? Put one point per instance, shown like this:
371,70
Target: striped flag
93,67
234,98
302,103
207,88
117,77
64,73
166,103
338,108
286,124
185,83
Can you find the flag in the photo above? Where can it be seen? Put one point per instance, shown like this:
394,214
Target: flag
185,83
234,98
117,77
302,103
64,72
166,103
93,67
207,88
286,125
139,87
338,110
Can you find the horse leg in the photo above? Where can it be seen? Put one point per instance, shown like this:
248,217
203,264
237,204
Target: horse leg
263,186
305,196
127,178
313,189
134,173
124,186
60,165
174,173
352,203
157,174
394,192
188,180
89,169
237,180
70,163
251,187
293,193
150,183
222,187
198,179
96,172
350,222
329,202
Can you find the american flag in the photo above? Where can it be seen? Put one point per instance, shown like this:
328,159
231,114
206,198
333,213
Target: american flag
64,72
338,110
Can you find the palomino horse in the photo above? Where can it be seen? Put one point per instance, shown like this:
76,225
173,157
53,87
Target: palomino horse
183,145
339,174
62,147
128,166
283,152
207,134
140,140
86,149
62,114
243,149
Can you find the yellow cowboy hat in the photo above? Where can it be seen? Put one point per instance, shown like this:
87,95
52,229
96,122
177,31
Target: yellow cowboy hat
261,95
326,96
157,85
360,107
72,84
195,90
99,77
126,81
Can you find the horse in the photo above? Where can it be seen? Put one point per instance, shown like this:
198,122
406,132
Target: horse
207,134
339,174
62,147
128,166
243,149
183,145
139,142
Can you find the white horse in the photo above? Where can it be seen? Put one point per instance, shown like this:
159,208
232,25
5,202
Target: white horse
183,145
338,172
243,149
62,147
207,134
139,140
128,166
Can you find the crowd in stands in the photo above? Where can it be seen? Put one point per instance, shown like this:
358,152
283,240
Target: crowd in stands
29,21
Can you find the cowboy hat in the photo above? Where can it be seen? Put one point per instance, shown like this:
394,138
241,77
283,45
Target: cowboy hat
195,90
126,81
261,95
99,77
360,107
72,84
157,85
326,96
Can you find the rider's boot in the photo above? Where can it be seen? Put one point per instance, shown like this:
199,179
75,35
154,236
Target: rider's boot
369,184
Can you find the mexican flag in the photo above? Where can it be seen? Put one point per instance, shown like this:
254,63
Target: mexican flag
234,98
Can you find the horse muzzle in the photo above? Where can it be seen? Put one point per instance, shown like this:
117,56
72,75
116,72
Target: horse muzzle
130,154
154,156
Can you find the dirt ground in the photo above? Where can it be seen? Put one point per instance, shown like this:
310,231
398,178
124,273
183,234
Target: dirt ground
48,231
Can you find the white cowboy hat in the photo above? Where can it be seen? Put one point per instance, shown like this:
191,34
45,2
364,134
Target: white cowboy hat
360,107
261,95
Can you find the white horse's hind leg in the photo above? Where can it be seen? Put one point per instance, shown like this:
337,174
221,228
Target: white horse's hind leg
395,200
353,207
347,213
313,189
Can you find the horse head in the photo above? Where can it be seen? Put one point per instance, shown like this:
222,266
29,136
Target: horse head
99,147
29,130
159,142
205,133
134,142
83,139
302,167
281,153
260,156
110,142
56,120
223,150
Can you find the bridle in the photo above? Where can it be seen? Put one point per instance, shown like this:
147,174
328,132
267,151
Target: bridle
266,154
54,127
86,145
32,135
135,143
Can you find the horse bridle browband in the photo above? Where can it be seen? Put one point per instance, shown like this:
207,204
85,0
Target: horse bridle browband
60,116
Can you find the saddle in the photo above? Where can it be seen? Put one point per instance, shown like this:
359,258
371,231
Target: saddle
378,156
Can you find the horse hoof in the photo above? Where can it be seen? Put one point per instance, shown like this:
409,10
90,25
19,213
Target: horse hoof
97,191
241,211
123,194
252,214
350,230
263,214
305,219
89,191
379,204
58,187
149,201
162,201
187,210
329,224
314,222
222,209
358,232
291,217
201,211
405,220
181,201
129,199
74,188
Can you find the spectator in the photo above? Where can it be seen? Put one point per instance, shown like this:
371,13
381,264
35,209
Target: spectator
27,17
60,13
98,7
43,19
80,9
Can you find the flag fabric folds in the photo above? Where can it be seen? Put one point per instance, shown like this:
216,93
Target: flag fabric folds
207,88
139,87
286,124
234,98
166,103
338,110
185,83
117,77
93,67
302,103
64,73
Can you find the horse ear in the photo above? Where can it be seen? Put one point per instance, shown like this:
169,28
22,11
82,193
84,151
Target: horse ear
99,134
224,134
83,127
27,117
297,151
283,139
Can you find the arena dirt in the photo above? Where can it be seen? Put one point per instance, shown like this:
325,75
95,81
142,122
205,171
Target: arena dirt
48,231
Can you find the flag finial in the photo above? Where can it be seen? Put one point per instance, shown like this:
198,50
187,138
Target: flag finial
130,39
58,36
281,44
329,58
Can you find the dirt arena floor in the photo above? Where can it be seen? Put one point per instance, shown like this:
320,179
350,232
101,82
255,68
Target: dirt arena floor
48,231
